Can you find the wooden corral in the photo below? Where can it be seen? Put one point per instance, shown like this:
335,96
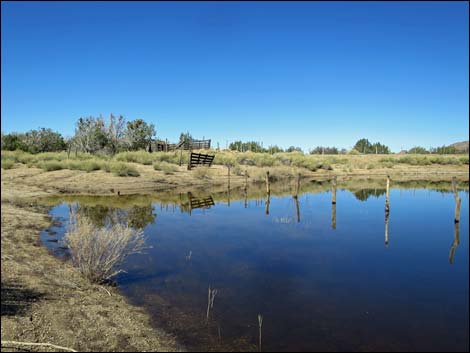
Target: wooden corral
165,146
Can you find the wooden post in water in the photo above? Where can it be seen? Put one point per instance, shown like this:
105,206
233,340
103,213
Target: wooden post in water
455,243
246,189
246,179
333,196
333,215
297,187
268,190
386,228
457,200
387,195
296,198
297,208
268,196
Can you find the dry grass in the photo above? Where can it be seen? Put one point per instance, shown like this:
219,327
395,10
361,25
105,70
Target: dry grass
165,167
7,164
203,173
98,251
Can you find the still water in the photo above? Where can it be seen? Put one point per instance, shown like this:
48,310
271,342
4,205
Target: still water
323,277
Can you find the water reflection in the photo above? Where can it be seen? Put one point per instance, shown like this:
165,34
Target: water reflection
100,215
364,194
387,216
333,215
455,243
316,292
268,201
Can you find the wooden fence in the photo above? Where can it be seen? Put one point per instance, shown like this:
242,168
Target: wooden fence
196,159
165,146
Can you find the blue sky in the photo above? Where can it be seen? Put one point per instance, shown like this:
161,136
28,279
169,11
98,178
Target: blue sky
286,73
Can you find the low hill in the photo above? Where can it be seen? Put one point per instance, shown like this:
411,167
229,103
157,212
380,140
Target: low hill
460,146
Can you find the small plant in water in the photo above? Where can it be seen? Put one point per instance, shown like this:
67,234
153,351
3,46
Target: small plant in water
210,301
260,325
98,251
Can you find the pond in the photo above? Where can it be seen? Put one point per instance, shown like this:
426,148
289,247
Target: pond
323,277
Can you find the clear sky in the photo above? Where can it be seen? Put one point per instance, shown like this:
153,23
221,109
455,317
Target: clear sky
286,73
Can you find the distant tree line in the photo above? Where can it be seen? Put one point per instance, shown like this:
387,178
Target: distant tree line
437,150
34,141
115,134
92,135
254,146
327,150
364,146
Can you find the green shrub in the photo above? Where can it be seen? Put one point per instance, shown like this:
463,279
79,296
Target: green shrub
141,157
237,170
91,165
122,169
49,165
74,165
228,159
7,163
202,172
354,152
165,167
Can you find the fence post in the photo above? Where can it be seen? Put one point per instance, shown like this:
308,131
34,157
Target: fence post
181,155
333,215
387,215
457,200
297,188
189,160
268,190
387,195
333,197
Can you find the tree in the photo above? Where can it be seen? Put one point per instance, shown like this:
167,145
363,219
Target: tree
418,150
364,146
139,134
274,149
90,134
378,148
11,142
324,150
186,137
252,146
444,150
115,132
294,149
42,140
